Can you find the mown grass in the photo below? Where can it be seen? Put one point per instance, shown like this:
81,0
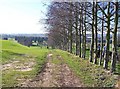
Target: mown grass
91,75
12,51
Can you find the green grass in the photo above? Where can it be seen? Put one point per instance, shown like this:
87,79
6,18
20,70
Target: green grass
90,74
12,51
118,69
11,45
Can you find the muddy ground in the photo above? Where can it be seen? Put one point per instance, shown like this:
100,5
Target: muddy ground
54,75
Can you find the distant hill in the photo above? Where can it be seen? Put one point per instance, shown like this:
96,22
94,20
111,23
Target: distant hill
7,44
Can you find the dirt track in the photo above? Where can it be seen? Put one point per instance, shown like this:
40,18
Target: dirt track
54,75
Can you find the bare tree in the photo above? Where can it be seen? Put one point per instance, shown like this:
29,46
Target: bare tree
96,39
92,39
114,39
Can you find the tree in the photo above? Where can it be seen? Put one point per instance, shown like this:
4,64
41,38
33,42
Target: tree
108,20
92,39
69,22
105,65
114,39
101,53
76,27
96,39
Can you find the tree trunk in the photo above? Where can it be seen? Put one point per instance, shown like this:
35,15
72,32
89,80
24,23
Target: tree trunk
68,44
71,29
105,65
77,37
71,39
82,24
101,52
80,33
114,40
95,46
77,50
85,33
79,42
83,42
92,39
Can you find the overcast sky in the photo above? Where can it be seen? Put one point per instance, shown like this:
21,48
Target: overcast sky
22,16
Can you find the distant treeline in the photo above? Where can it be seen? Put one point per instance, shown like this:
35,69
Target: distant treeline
27,41
26,35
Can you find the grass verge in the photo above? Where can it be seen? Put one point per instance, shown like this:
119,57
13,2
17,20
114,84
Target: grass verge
91,75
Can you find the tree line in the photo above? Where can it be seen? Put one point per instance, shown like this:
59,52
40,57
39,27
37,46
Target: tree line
68,23
27,41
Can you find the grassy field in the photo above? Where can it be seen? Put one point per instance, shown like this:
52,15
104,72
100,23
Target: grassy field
18,55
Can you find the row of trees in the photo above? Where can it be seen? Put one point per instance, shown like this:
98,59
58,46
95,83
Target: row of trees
69,22
27,41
